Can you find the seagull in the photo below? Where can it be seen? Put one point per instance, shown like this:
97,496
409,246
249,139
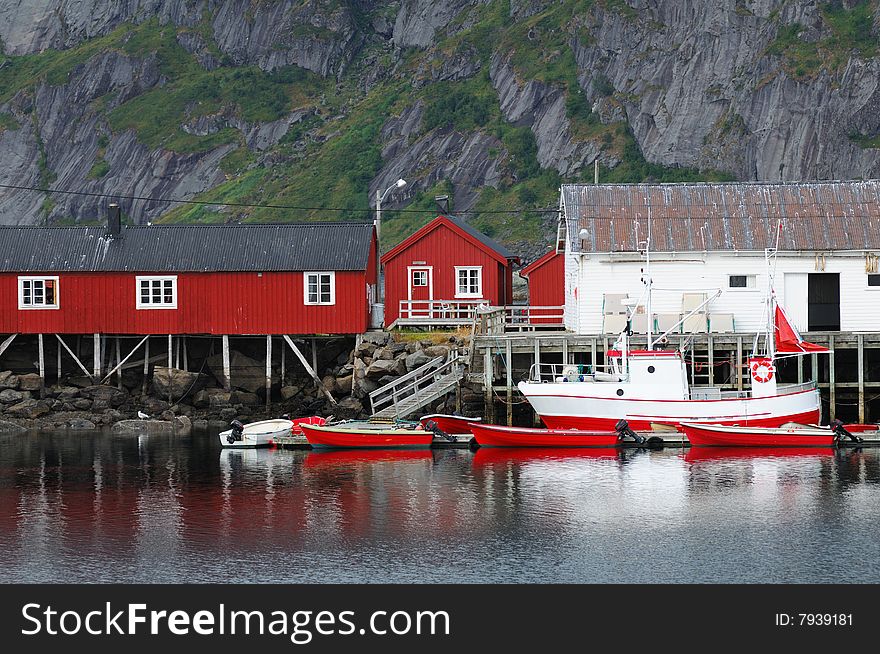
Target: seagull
142,415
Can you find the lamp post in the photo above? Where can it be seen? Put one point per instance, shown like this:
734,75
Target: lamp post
400,183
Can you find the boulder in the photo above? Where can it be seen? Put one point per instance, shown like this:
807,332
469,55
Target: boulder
201,400
365,349
182,425
82,404
376,337
217,397
244,398
29,409
417,359
437,351
228,413
66,393
381,367
80,382
10,396
288,392
329,382
8,380
142,427
246,373
396,348
30,382
153,406
344,384
107,396
173,382
80,424
7,427
383,353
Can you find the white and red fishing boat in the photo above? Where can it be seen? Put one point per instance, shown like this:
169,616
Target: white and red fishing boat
365,435
651,385
449,424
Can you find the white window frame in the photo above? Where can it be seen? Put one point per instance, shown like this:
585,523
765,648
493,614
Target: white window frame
458,271
867,285
38,278
421,272
318,273
141,305
751,282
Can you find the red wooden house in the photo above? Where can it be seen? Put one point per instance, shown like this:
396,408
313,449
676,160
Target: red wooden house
442,272
313,278
546,278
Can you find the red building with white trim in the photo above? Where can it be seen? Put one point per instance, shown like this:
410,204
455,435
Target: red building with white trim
546,278
443,271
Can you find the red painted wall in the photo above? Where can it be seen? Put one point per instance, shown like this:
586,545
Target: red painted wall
546,283
207,303
444,249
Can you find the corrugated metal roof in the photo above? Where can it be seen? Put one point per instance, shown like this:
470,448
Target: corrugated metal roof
187,248
723,216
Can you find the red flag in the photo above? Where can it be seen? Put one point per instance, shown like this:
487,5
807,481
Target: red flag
788,340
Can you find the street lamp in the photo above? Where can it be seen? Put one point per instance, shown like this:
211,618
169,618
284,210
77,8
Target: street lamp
400,183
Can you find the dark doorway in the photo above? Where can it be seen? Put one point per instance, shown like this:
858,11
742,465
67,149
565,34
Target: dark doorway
823,302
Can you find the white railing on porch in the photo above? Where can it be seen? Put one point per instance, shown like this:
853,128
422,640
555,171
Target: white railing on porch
416,311
492,320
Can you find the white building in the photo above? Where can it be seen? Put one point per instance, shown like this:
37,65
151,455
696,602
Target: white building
709,238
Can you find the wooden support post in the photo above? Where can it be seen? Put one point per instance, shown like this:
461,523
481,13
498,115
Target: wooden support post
74,357
170,351
41,362
814,360
58,356
592,355
710,344
832,399
7,342
861,342
268,369
177,353
739,363
284,365
318,382
537,418
97,355
488,380
118,365
226,381
309,369
564,350
146,365
185,354
509,379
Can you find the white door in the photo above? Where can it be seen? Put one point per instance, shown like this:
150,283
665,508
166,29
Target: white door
795,299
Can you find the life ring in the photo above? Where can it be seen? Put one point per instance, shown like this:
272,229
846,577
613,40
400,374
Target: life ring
762,371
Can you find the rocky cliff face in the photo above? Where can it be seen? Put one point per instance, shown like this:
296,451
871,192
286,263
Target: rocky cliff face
762,89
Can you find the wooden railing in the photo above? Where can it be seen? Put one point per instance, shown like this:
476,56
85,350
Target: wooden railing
439,311
416,383
520,317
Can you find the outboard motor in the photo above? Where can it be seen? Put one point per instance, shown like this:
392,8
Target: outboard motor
623,430
842,432
237,432
439,433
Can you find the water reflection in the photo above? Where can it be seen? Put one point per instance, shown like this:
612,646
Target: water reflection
95,507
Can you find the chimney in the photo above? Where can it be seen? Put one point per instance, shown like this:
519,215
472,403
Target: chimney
442,202
114,221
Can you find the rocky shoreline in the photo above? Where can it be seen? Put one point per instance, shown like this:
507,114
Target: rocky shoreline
177,401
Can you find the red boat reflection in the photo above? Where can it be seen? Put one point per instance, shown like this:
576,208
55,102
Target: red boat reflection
336,458
487,456
695,454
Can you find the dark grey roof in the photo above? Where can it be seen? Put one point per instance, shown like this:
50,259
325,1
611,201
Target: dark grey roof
187,248
723,216
482,238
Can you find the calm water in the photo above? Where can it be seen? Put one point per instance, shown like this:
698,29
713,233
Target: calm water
99,508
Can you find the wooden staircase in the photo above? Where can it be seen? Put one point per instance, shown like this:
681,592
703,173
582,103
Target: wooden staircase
414,390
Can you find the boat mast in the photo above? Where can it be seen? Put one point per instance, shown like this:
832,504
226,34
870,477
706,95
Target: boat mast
648,281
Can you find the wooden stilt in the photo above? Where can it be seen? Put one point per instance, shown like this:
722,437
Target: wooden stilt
861,355
592,355
226,381
97,356
564,351
6,343
58,357
711,347
832,399
170,351
488,380
309,369
177,353
268,369
800,370
118,365
739,363
315,362
283,365
41,362
146,365
509,379
185,354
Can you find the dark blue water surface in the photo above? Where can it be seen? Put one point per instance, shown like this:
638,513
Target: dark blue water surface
94,507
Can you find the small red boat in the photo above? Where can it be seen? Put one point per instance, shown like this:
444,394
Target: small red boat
310,420
365,436
787,435
449,424
498,436
858,428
